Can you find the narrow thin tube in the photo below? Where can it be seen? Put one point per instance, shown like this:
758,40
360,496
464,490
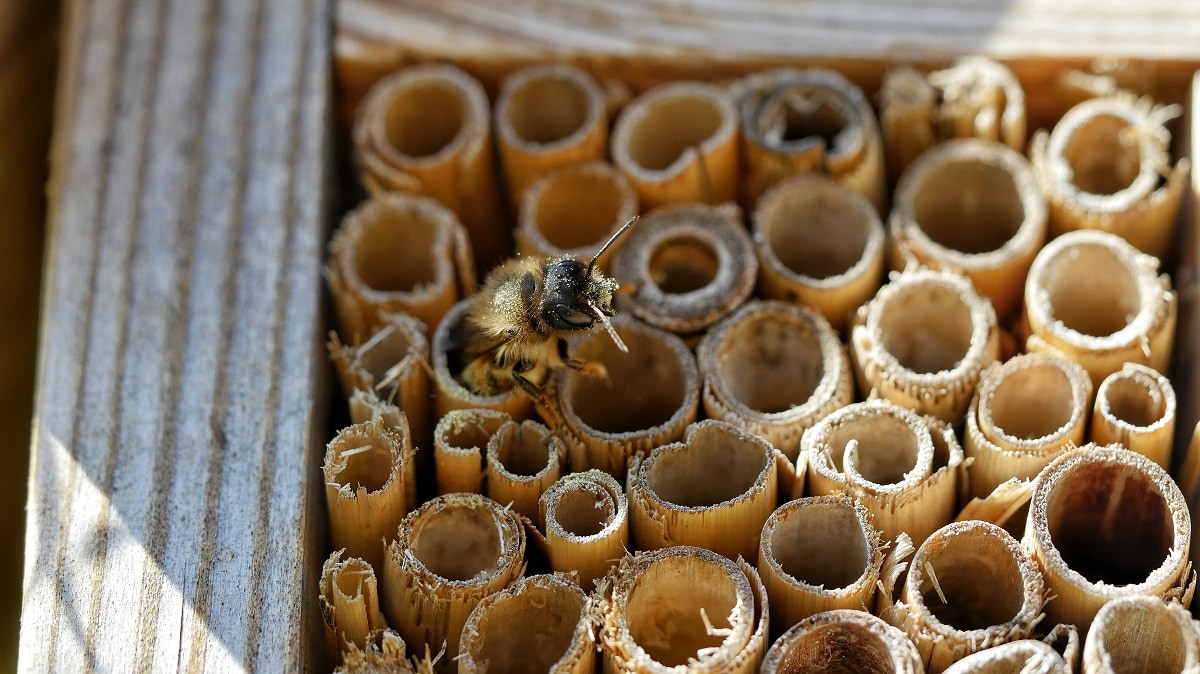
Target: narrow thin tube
1135,406
586,519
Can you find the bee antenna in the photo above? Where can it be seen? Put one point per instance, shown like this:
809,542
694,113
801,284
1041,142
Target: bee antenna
607,244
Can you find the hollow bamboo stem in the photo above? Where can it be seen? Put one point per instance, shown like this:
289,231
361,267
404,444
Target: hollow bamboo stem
349,601
460,443
586,519
842,640
1143,634
523,460
1135,407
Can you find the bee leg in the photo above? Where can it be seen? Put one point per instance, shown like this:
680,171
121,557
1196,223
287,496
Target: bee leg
591,369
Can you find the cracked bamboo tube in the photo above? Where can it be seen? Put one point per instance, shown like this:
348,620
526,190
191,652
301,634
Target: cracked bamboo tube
385,653
842,640
349,597
460,443
1135,407
586,519
523,460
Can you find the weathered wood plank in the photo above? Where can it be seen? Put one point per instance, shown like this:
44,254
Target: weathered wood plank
170,518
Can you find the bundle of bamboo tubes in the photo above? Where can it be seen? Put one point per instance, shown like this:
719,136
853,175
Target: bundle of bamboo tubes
735,442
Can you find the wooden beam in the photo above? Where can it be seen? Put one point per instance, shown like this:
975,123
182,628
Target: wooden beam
174,517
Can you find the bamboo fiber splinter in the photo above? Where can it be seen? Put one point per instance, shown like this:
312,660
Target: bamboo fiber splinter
819,244
1142,634
460,444
1100,302
715,489
818,554
586,519
683,606
972,207
447,556
689,265
523,460
842,640
1106,523
1107,166
923,342
969,587
397,253
539,624
1135,406
349,601
810,121
774,369
385,653
427,130
679,142
547,116
1027,411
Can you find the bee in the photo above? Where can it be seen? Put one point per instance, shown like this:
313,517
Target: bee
515,331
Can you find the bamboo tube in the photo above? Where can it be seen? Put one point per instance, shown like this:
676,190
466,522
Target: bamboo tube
810,121
460,443
365,407
678,142
1025,413
1106,523
885,456
539,624
427,130
365,486
908,109
397,253
349,601
988,185
1142,634
923,342
842,640
1135,406
1098,301
391,365
1064,639
714,490
1107,166
586,519
774,369
449,393
572,211
683,607
818,554
650,396
523,460
950,612
385,653
547,116
447,556
820,244
689,265
1024,656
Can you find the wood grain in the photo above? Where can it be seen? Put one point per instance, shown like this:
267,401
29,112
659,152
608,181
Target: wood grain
173,514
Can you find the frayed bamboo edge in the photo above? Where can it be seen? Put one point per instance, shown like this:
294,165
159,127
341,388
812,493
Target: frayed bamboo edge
449,393
1142,634
1026,656
819,244
460,443
385,653
585,517
364,407
539,624
523,460
1135,407
349,597
674,500
842,640
689,266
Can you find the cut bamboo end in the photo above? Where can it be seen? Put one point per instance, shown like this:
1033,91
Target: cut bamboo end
987,185
447,556
1107,166
427,130
572,211
365,486
385,653
950,613
885,456
349,601
820,244
539,624
367,407
449,393
1142,634
397,253
391,366
818,554
774,369
923,342
648,399
842,640
1135,407
689,265
1025,413
908,109
1024,656
1097,300
523,460
1104,523
678,142
586,519
548,116
675,499
460,443
810,121
716,621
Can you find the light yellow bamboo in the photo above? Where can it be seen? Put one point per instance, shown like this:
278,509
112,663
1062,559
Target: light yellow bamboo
523,460
1024,656
1142,634
842,640
586,519
460,444
349,601
1135,407
364,407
